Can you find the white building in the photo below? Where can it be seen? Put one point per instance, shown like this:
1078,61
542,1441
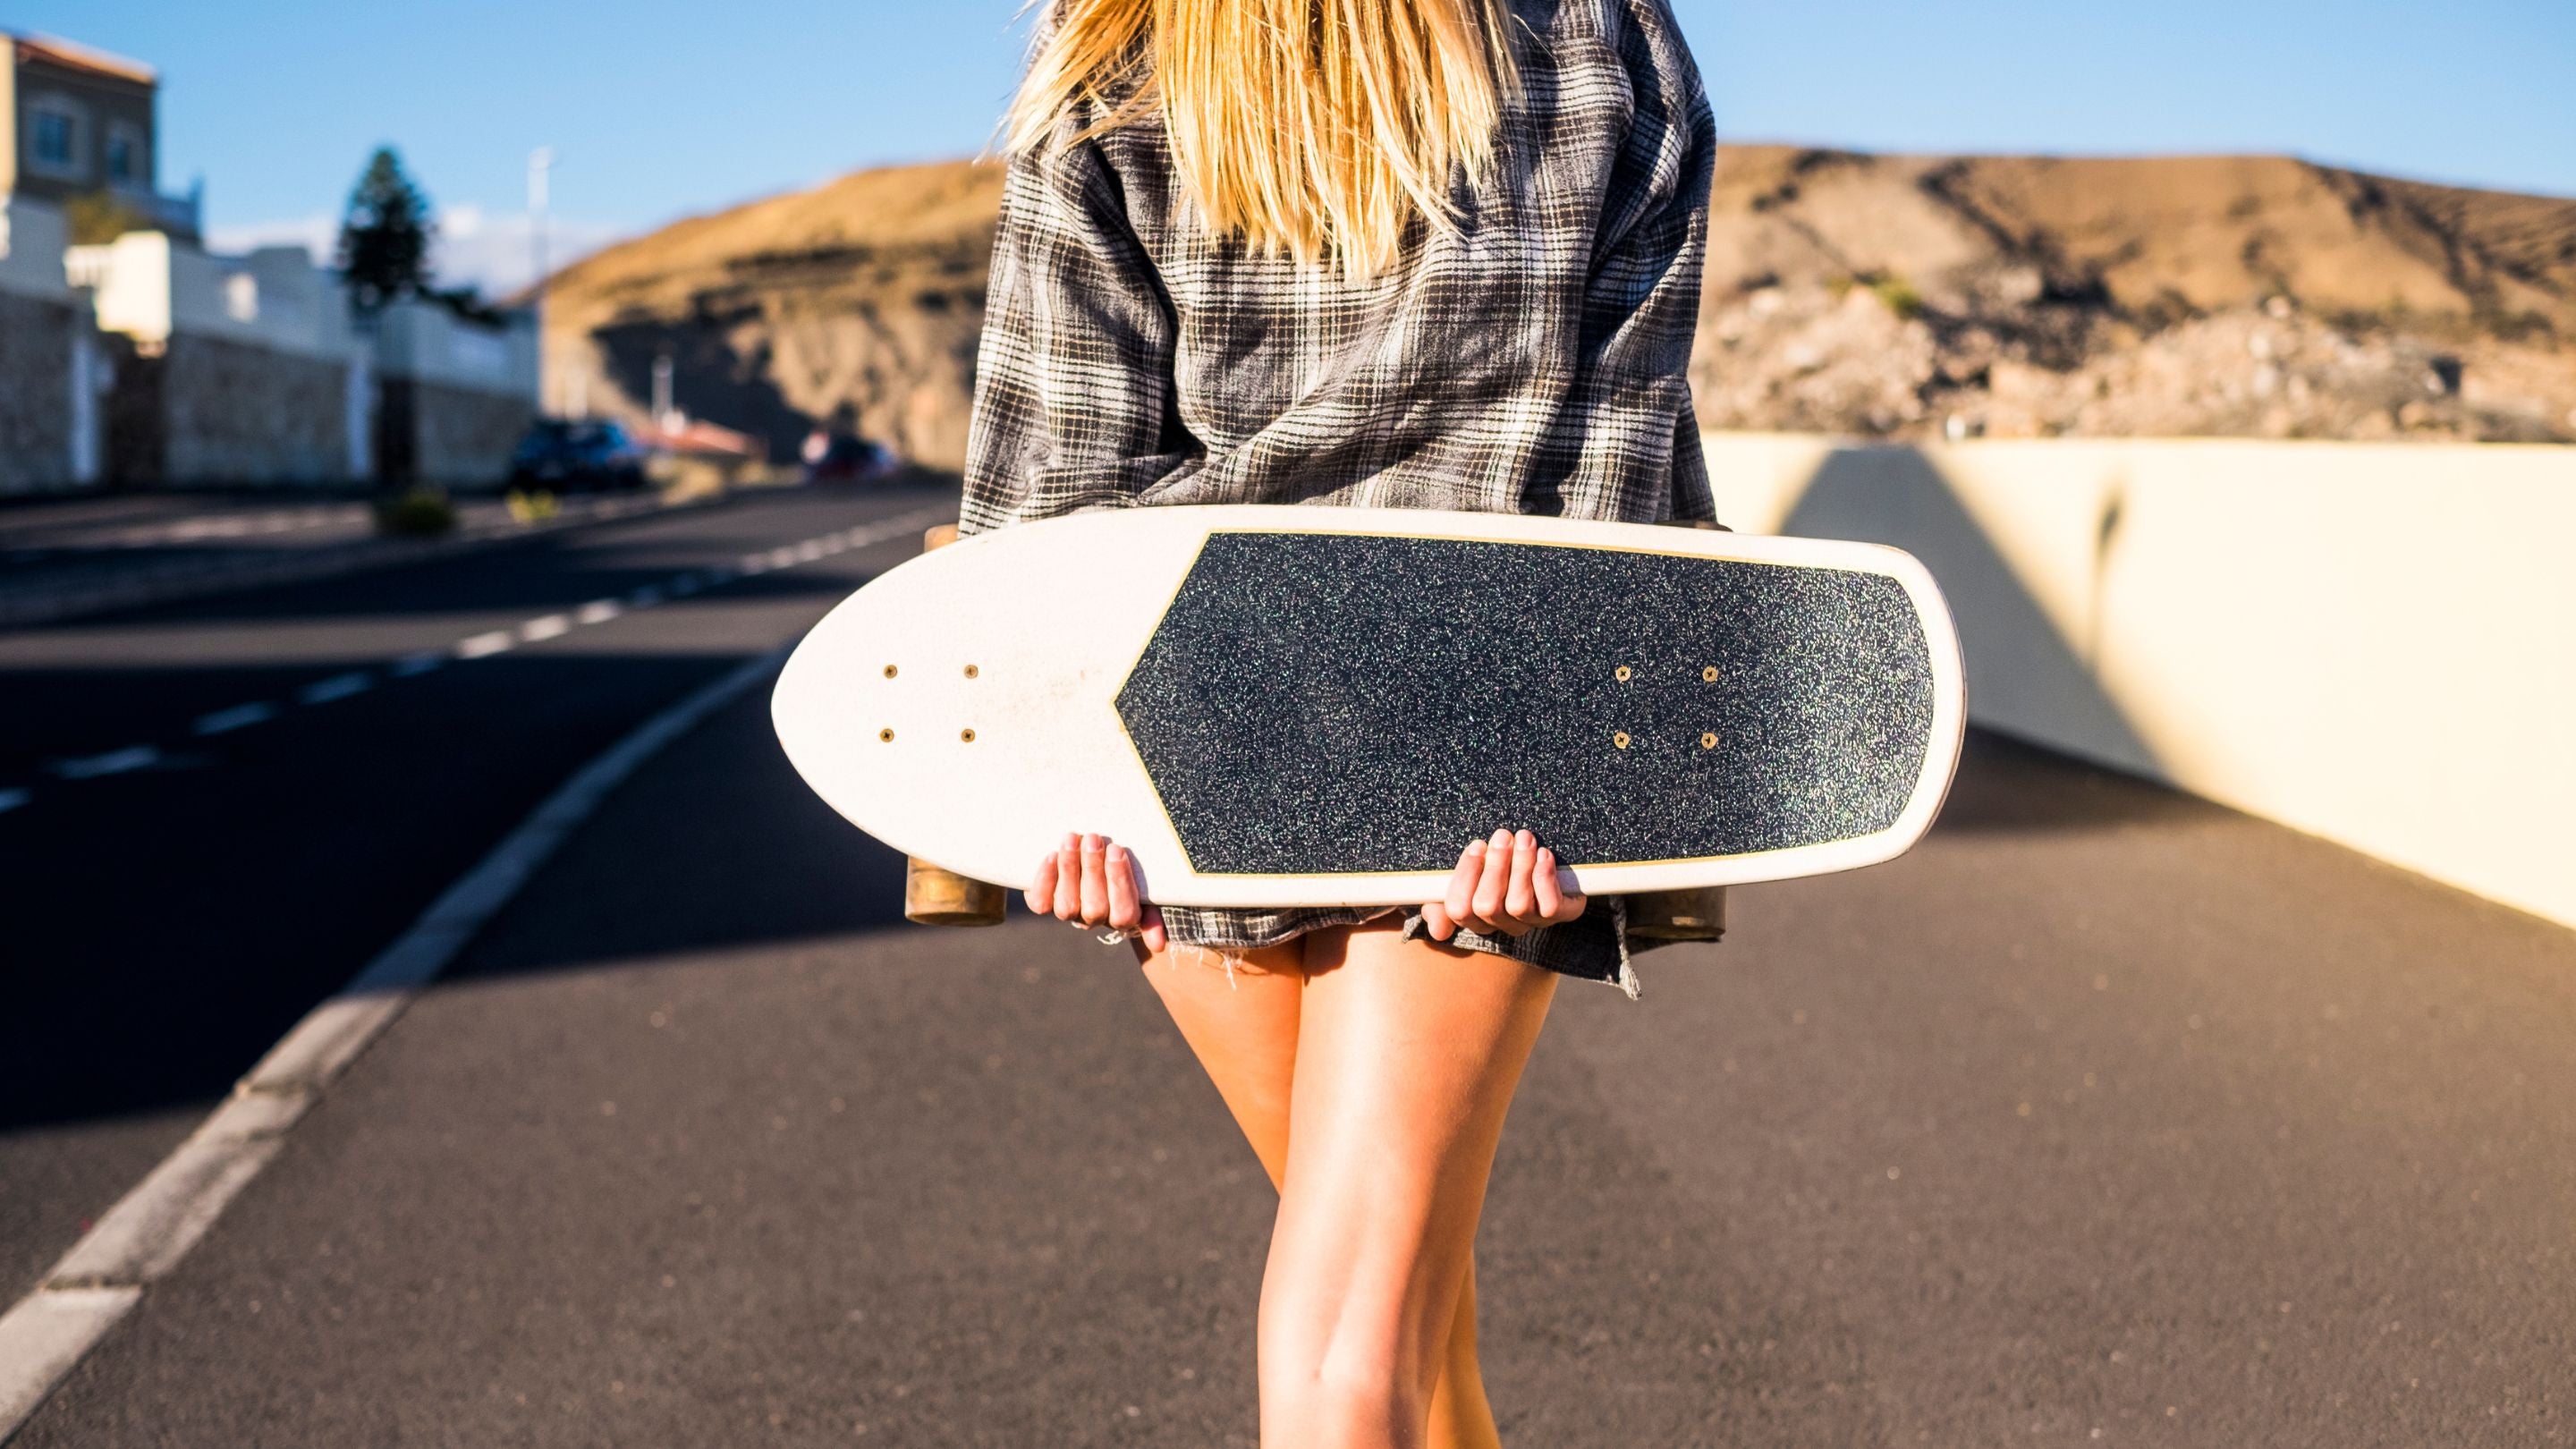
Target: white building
53,371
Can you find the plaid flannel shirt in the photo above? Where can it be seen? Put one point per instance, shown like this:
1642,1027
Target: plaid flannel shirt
1531,359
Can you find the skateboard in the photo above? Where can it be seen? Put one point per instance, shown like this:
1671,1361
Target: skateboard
1293,706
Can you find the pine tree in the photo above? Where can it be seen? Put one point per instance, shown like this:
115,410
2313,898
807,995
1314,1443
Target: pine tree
385,235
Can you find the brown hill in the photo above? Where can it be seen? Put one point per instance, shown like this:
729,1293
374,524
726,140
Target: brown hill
863,296
1878,295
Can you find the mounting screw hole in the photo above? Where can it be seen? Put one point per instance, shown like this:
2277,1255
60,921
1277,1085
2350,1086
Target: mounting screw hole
1620,739
967,735
1621,673
972,671
1709,674
886,735
889,671
1708,742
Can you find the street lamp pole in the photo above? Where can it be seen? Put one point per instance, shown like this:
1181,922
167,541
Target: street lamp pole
541,162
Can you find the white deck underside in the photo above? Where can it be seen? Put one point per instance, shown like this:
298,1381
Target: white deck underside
1053,615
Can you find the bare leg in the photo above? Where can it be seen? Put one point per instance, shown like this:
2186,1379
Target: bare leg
1407,1056
1244,1032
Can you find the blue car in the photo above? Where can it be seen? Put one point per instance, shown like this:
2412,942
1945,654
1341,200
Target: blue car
561,455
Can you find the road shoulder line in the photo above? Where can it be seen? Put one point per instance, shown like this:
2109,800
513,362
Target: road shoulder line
48,1332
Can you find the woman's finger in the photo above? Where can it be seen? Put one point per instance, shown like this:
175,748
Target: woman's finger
1435,919
1126,908
1152,933
1462,884
1487,903
1095,879
1520,904
1068,879
1543,890
1042,889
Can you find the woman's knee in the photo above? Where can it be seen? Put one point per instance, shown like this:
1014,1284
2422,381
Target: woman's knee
1330,1373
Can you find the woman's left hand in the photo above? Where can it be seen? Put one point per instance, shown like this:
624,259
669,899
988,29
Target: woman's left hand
1505,886
1093,882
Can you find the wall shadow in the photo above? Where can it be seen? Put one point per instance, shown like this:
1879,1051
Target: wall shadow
710,379
1895,496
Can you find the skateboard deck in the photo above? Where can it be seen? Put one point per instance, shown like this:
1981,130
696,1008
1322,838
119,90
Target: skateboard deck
1279,706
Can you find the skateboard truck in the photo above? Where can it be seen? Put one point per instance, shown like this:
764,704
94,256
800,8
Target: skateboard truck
1692,915
936,897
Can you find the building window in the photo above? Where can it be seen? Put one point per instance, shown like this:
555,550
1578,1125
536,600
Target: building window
53,139
125,161
241,297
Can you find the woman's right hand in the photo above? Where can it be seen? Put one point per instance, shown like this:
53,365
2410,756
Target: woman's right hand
1505,886
1092,883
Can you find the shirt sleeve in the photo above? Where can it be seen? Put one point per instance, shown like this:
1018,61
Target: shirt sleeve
1074,396
1641,303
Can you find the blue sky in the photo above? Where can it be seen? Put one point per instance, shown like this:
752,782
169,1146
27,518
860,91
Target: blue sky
657,109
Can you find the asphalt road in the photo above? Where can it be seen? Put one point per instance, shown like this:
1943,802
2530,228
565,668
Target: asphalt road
2104,1116
214,813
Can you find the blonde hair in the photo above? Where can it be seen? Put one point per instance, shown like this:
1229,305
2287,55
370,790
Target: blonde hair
1319,128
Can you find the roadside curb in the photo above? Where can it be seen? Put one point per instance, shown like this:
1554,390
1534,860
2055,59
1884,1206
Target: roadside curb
179,582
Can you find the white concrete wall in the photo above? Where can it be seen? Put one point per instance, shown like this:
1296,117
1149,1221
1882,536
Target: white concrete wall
2372,643
425,342
33,238
149,286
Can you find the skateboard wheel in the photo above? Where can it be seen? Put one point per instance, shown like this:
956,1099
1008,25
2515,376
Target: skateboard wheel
1692,915
1620,739
936,897
1621,673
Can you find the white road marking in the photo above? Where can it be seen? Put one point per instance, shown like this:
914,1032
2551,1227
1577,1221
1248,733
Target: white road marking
338,686
240,716
43,1336
597,611
114,762
141,1239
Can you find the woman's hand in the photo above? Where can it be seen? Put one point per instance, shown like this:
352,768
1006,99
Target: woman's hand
1505,886
1093,883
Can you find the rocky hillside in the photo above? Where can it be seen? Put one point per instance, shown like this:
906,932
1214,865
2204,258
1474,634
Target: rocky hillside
863,297
1874,295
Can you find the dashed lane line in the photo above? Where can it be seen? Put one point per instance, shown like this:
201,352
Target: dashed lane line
240,716
114,762
496,641
338,686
